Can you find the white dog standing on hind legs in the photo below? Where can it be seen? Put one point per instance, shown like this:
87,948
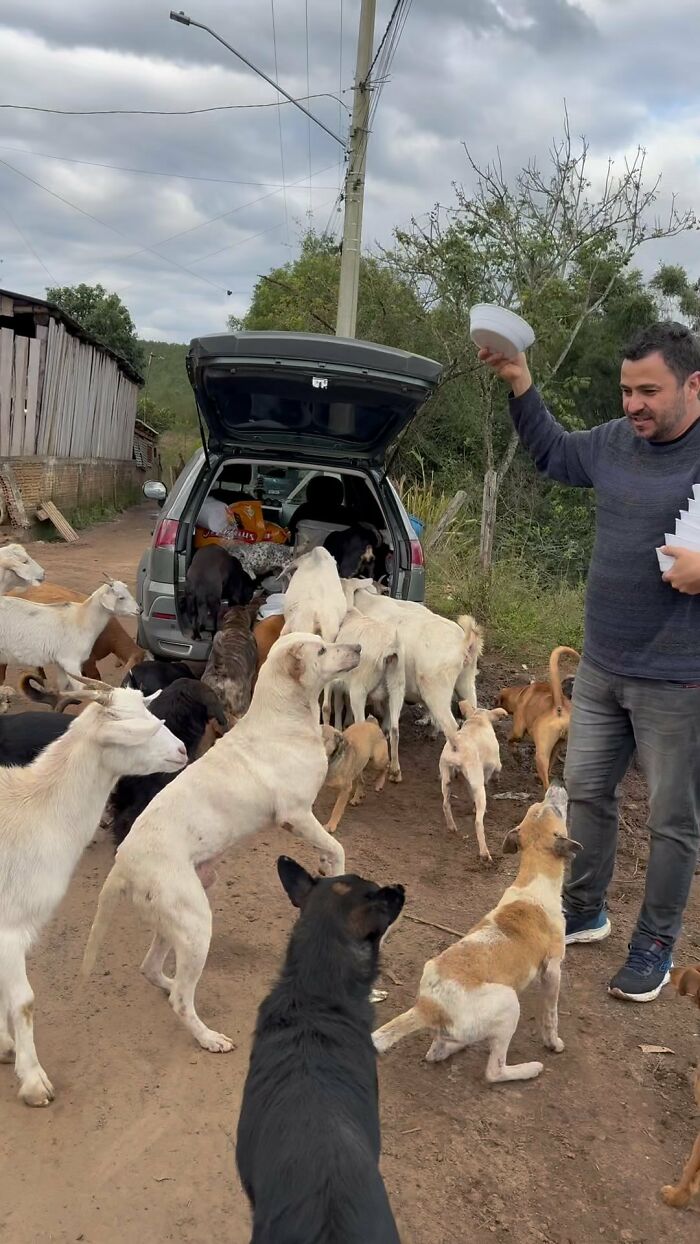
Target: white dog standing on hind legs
469,993
266,771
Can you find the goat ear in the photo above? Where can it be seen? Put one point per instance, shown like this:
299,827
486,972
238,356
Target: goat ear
129,733
511,842
297,883
378,912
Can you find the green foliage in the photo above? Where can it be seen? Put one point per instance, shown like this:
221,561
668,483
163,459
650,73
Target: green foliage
160,418
101,314
167,383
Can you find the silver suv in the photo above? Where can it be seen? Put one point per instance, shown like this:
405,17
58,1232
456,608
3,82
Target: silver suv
275,410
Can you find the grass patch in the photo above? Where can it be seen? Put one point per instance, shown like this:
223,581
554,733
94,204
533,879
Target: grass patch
526,613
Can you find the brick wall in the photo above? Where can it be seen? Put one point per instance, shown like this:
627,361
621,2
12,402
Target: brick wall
75,483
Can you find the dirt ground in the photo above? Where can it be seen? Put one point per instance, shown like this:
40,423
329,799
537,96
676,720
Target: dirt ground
139,1144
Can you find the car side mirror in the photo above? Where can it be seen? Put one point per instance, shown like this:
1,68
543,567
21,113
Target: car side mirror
155,491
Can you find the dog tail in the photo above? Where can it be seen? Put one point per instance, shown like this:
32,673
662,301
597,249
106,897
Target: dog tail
111,892
473,637
555,677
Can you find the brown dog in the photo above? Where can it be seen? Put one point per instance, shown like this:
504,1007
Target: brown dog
541,710
266,632
687,982
233,661
349,753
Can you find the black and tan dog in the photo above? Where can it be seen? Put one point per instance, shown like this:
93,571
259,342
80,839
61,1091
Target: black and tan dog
308,1132
233,661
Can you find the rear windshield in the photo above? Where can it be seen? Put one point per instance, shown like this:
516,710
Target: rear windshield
286,404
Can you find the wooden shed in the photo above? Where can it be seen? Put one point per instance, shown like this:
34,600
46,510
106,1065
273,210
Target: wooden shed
62,394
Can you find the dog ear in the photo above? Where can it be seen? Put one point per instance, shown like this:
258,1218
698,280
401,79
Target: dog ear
497,714
564,847
511,842
378,912
297,883
293,662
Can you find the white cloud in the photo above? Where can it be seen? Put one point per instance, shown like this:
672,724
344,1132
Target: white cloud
491,74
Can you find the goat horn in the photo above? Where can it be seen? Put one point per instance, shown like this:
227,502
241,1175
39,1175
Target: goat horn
99,691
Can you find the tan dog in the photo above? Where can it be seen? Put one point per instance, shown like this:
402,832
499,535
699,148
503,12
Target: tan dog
475,754
349,753
266,632
541,710
469,993
687,982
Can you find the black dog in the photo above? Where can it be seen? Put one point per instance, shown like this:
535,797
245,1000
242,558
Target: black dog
308,1134
354,550
191,710
213,576
24,735
151,676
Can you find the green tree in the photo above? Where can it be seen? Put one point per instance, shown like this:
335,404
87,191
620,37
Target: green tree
103,315
545,244
302,297
160,418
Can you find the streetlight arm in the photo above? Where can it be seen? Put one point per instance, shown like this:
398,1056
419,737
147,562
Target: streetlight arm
189,21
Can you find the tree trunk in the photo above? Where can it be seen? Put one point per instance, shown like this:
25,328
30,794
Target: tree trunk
488,517
442,526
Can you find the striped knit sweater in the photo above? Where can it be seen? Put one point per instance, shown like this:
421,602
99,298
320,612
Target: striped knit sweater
635,624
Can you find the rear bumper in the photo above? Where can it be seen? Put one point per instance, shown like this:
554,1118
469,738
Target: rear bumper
158,628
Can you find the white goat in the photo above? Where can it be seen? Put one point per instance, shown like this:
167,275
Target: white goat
380,676
49,811
440,656
315,601
34,634
17,568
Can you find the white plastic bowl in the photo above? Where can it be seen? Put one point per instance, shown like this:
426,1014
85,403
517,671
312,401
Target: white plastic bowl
500,330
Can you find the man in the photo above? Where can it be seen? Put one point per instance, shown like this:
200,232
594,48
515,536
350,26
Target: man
638,685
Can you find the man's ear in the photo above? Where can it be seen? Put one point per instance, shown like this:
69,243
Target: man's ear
297,883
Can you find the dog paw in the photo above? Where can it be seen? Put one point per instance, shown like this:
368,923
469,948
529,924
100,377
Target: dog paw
37,1089
215,1042
555,1044
677,1197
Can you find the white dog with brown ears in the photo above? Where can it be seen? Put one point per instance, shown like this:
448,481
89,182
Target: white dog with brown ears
469,993
474,753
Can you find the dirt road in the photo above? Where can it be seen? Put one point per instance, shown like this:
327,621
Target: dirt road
139,1144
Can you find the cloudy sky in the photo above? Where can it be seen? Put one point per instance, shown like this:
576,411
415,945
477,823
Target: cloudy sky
173,211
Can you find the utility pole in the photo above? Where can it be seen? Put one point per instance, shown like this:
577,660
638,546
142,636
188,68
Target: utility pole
355,177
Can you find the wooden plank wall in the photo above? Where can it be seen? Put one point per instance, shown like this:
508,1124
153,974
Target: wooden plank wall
61,397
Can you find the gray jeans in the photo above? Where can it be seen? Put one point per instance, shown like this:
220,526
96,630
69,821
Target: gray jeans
611,716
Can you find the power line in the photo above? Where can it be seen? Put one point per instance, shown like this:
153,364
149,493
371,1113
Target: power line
149,172
160,112
54,280
242,241
306,18
279,120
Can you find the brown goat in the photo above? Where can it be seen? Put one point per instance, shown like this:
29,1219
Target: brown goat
113,640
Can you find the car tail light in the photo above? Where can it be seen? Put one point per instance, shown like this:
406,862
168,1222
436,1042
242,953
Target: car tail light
166,534
417,553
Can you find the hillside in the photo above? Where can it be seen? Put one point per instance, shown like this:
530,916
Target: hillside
167,380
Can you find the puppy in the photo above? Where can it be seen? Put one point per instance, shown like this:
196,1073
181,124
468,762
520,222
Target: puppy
541,710
266,632
475,754
233,661
308,1132
687,982
469,993
349,753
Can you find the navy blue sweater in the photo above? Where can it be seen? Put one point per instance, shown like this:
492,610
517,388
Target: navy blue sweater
636,624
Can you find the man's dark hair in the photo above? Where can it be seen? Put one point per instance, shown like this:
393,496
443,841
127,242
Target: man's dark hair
678,346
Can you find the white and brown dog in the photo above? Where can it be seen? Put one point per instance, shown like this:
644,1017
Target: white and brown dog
474,753
469,993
